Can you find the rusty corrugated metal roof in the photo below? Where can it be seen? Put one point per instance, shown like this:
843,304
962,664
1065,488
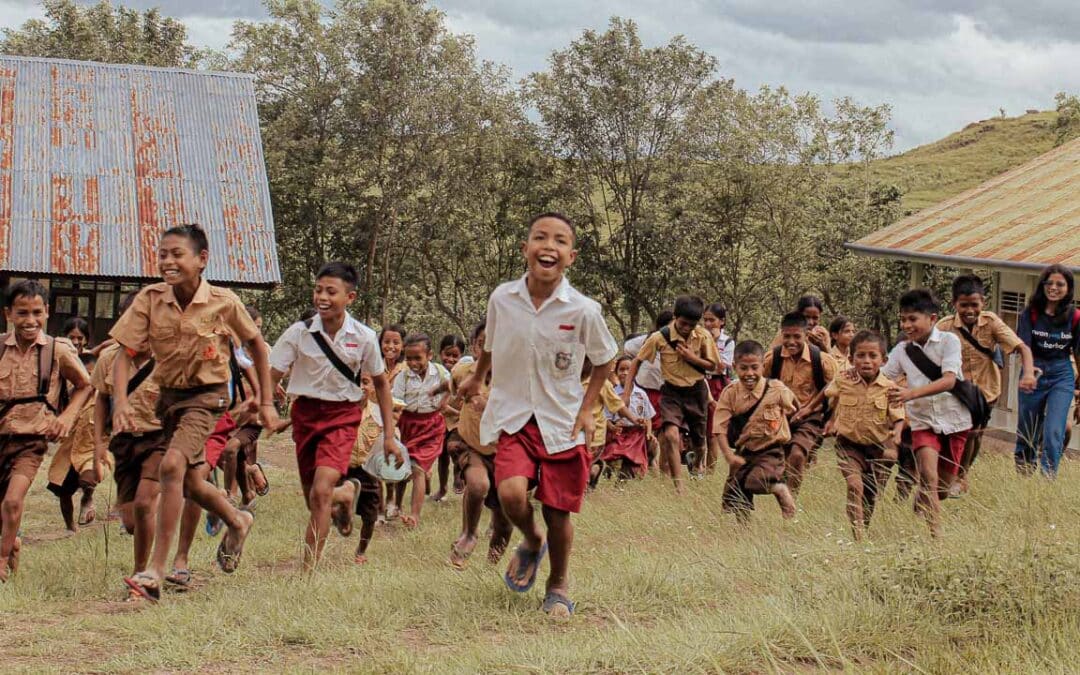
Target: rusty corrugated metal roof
96,160
1026,218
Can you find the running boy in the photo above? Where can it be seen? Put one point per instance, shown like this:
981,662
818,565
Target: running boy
751,427
687,352
868,428
34,368
940,423
981,334
539,332
185,323
423,428
806,370
326,359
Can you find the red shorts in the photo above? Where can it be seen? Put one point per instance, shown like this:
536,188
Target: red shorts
654,400
560,479
423,434
324,433
948,460
215,444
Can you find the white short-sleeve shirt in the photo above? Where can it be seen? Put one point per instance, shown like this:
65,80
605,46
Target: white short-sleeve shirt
536,360
648,374
312,375
943,413
640,406
415,391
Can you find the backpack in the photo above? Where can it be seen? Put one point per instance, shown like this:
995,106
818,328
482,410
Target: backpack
666,333
1034,316
46,363
332,356
815,365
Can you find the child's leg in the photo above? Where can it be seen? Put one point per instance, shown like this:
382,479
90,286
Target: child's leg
228,464
795,465
472,506
367,531
320,497
856,493
560,536
87,512
67,511
399,493
874,483
672,444
501,529
189,525
444,473
713,453
170,505
514,499
927,502
419,490
785,499
142,525
907,471
11,510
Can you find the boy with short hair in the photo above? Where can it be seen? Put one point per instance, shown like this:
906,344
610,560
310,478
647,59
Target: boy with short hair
940,423
650,380
325,359
867,426
539,332
984,339
687,352
751,428
35,368
806,370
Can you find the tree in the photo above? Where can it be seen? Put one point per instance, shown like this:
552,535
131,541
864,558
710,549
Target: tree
102,33
614,113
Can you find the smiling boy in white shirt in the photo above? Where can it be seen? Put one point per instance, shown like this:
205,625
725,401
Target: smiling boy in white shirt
539,331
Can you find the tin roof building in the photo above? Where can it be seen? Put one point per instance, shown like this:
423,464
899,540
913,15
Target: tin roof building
96,160
1008,228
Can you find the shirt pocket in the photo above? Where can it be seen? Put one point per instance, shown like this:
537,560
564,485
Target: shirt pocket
848,408
212,343
766,423
560,360
880,408
164,342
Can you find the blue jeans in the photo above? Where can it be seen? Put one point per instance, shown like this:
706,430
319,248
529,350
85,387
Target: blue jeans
1044,414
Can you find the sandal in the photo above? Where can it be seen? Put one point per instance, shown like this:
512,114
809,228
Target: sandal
558,606
179,577
525,559
145,586
228,560
459,559
265,490
87,515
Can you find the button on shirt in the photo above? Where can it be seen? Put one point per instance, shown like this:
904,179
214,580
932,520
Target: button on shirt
416,390
648,374
943,413
536,359
313,376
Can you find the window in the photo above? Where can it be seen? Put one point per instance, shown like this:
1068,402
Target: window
103,308
1013,301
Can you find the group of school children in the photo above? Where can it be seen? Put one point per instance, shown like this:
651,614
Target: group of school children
544,405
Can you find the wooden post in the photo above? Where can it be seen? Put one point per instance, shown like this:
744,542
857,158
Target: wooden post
918,274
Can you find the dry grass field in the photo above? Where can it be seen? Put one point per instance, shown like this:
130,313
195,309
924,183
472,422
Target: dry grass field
662,585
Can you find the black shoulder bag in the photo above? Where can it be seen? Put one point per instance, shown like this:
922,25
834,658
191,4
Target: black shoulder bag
332,356
967,392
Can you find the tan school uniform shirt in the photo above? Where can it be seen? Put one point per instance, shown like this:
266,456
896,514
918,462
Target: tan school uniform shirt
768,426
607,401
19,378
990,331
143,400
798,373
673,368
862,411
190,345
468,426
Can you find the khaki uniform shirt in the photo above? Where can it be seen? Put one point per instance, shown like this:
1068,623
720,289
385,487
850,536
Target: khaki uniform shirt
768,426
798,374
468,426
19,378
862,411
674,369
979,368
607,400
143,400
190,345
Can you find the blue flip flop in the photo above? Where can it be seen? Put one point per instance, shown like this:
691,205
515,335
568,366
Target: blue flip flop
526,559
553,600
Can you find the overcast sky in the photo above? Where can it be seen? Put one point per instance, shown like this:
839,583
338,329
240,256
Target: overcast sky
940,63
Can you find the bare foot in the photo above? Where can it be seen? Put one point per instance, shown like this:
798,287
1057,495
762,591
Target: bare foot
232,545
786,501
410,521
87,512
360,559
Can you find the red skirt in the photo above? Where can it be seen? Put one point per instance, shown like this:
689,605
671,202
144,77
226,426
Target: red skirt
324,433
628,444
423,435
654,401
716,385
219,437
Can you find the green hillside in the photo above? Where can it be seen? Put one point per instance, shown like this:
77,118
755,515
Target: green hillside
930,173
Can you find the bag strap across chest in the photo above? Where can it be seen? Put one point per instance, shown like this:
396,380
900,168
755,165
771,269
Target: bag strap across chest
332,356
46,363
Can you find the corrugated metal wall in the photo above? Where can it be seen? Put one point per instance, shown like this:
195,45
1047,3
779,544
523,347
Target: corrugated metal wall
96,160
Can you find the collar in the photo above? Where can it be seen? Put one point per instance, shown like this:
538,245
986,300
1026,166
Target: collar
758,389
805,356
201,297
431,370
347,325
41,340
697,332
561,292
879,380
